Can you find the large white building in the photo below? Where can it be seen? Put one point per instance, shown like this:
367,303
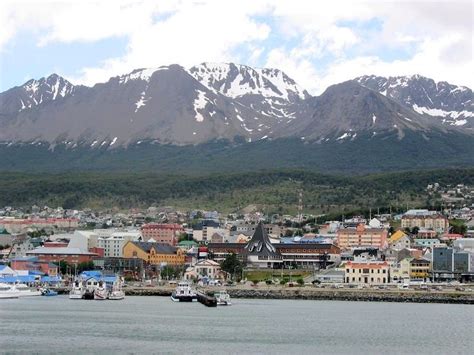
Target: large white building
113,243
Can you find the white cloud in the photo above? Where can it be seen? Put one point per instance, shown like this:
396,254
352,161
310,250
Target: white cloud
319,43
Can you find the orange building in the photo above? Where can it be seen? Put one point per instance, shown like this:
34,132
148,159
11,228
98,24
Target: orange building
154,253
362,237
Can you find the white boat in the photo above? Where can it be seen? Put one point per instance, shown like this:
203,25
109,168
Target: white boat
184,293
25,291
223,298
77,291
117,292
6,291
101,293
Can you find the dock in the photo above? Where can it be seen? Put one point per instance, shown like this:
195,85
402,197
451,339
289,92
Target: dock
209,301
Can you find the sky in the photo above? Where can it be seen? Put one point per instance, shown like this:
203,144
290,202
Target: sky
317,43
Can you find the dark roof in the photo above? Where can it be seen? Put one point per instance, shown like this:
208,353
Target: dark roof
305,246
159,247
260,243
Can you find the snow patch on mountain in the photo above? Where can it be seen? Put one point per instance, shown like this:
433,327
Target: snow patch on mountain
140,74
199,104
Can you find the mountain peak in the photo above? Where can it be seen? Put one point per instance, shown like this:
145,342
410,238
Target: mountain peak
237,80
453,105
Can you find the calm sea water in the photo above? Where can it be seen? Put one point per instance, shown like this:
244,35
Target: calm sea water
158,325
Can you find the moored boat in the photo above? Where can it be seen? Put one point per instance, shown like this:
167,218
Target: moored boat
47,292
25,291
223,298
184,293
6,291
77,291
117,293
101,293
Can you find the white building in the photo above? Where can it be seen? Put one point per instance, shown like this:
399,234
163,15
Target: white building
114,242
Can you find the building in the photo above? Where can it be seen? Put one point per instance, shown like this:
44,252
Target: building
431,221
123,266
19,225
204,268
32,263
449,263
361,236
154,253
162,233
399,240
113,244
420,269
372,273
261,253
69,255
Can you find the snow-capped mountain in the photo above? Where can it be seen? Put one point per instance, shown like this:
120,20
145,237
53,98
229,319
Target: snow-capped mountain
452,105
175,105
237,81
35,92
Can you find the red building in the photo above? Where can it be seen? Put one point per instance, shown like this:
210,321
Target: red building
162,233
69,255
32,263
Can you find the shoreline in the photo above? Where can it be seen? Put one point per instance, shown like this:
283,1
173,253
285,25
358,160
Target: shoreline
310,293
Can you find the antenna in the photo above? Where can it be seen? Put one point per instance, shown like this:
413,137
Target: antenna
300,205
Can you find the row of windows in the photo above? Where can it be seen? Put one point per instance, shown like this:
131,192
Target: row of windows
366,271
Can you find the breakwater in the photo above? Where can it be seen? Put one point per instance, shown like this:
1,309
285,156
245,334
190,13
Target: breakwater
309,293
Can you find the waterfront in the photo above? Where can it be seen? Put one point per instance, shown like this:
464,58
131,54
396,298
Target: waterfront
157,325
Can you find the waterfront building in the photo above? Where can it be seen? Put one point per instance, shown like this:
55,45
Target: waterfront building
33,263
261,253
162,232
449,263
420,269
68,254
204,268
361,236
372,273
154,253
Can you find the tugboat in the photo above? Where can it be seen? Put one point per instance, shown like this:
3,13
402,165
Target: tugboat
184,293
77,291
91,284
223,298
101,293
117,292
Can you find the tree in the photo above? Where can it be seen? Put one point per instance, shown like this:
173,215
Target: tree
457,226
415,230
232,265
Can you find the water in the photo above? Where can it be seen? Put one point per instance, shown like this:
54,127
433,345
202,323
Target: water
158,325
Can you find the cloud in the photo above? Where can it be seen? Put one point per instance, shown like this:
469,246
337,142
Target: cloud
317,43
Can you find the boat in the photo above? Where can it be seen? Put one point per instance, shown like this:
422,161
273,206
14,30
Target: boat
101,293
223,298
77,291
184,293
91,284
25,291
47,292
117,293
7,292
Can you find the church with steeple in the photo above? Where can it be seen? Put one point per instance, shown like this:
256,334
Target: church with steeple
260,252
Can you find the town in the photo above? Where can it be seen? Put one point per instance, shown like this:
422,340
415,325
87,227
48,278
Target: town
158,246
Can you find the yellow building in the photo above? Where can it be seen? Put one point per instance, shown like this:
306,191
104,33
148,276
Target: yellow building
420,269
154,253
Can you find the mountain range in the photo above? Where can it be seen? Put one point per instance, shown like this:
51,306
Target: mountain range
174,106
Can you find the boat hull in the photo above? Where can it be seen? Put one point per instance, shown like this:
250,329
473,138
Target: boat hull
183,298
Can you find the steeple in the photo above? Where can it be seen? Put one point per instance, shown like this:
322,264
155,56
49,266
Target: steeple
260,243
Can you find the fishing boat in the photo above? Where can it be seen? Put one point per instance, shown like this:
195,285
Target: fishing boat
223,298
117,293
25,291
77,291
101,293
184,293
7,292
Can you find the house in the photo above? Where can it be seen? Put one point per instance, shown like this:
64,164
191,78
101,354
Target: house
399,240
372,272
154,253
204,268
420,269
